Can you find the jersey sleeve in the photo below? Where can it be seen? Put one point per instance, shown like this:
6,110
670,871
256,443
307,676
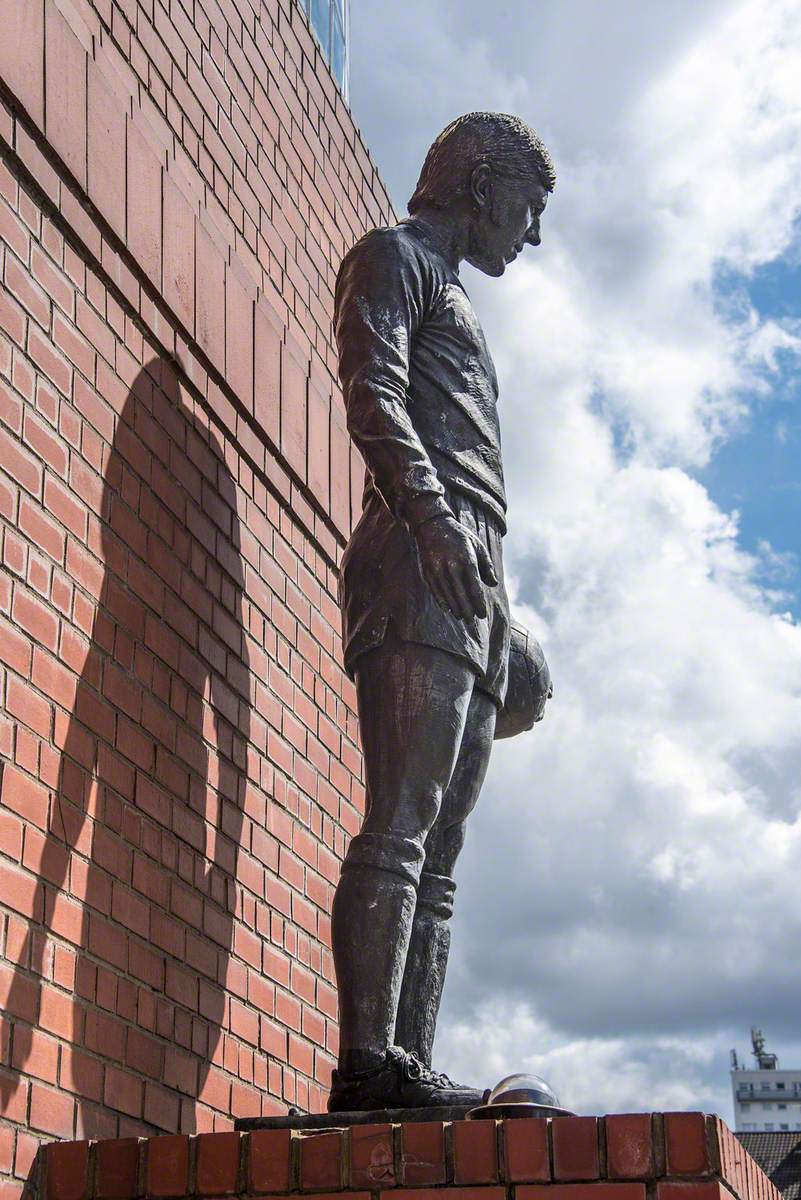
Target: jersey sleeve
380,302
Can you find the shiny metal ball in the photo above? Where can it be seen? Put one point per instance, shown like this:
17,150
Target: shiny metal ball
523,1089
520,1095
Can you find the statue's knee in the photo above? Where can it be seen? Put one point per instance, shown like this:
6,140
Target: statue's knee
387,852
435,893
443,847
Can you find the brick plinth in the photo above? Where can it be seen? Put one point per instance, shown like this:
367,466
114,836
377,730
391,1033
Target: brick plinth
670,1156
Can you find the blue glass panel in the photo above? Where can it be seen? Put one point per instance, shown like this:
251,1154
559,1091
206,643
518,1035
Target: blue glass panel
338,50
321,18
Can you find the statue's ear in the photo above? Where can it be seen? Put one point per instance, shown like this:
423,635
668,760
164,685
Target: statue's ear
481,185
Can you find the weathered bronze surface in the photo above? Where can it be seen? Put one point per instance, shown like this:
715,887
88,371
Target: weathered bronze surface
338,1120
426,622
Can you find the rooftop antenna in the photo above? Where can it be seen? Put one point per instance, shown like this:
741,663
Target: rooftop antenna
765,1061
735,1064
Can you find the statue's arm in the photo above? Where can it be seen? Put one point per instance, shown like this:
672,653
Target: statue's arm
379,304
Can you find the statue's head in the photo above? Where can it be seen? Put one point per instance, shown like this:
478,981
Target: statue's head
494,171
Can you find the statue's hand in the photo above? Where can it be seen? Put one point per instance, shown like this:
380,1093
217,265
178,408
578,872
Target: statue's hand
454,563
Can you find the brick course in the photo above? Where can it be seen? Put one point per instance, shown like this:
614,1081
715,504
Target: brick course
475,1166
181,771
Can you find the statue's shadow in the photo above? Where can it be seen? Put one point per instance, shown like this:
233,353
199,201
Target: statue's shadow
126,957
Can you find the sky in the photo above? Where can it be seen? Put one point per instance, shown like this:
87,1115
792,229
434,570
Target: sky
629,897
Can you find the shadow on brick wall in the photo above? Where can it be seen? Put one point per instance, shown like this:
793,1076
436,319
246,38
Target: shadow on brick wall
33,1187
127,959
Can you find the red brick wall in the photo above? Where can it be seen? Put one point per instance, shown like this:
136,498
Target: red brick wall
179,180
637,1156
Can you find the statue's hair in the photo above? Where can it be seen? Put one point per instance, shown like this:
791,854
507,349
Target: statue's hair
509,146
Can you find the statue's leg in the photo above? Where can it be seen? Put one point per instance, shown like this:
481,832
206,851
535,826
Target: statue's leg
413,703
427,956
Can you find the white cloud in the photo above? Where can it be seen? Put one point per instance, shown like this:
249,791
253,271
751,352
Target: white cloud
629,892
665,1074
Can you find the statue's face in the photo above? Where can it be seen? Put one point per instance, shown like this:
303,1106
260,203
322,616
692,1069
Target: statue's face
509,219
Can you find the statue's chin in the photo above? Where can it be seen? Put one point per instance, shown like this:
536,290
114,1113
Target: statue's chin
495,268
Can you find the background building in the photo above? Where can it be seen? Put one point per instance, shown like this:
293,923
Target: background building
779,1156
765,1098
179,181
329,20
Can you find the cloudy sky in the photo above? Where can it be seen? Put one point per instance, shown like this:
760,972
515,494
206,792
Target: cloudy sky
630,895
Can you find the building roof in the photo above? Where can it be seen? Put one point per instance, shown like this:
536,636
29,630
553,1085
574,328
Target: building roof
779,1156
